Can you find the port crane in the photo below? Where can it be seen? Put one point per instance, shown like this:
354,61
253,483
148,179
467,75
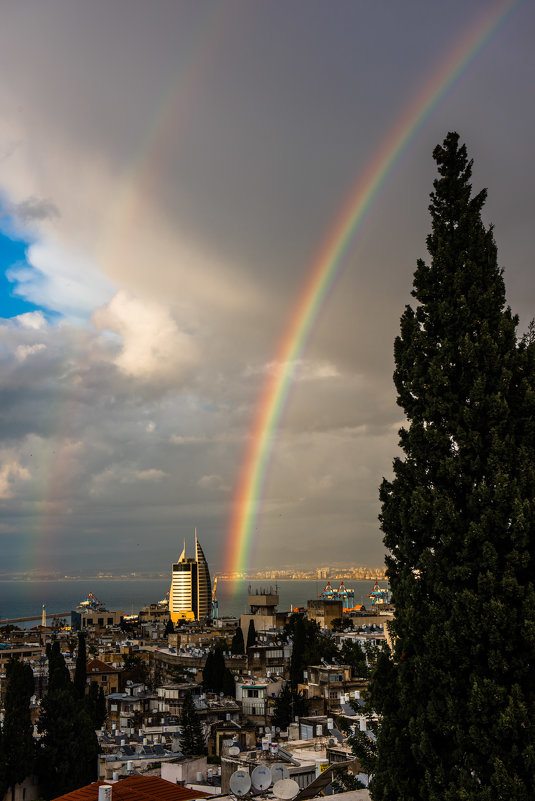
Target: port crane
215,604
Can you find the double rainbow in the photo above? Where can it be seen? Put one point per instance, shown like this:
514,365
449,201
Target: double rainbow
322,274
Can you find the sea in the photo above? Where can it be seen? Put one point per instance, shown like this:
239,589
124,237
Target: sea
26,598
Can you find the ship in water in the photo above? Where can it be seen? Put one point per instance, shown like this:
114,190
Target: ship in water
379,595
91,604
343,593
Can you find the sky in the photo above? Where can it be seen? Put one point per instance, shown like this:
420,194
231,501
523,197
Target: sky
168,174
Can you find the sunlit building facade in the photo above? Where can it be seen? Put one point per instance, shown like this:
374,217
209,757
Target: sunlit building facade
190,596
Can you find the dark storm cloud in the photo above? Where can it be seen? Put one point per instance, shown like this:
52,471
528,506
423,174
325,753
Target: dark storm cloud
34,210
199,154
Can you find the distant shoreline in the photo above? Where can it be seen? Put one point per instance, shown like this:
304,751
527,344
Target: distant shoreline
164,576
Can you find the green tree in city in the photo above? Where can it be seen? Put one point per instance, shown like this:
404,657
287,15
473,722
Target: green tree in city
136,669
191,739
457,696
17,744
310,645
251,634
229,685
96,705
169,628
80,671
3,779
288,705
238,644
68,748
214,671
354,655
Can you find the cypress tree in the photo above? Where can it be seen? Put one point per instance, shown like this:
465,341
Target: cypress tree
238,644
229,685
214,671
191,738
3,779
17,732
68,748
80,671
251,634
457,696
169,628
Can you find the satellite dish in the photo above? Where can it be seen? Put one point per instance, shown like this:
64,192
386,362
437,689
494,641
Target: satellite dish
240,782
234,750
285,789
261,777
279,771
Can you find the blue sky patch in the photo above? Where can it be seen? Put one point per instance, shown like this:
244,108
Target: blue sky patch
12,252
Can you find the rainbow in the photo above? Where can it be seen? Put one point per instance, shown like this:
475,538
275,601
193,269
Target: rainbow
322,274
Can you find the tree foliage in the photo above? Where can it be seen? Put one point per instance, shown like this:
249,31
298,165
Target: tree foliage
238,644
68,748
229,685
354,655
17,747
251,634
136,669
214,671
310,644
169,628
80,671
289,704
191,739
457,697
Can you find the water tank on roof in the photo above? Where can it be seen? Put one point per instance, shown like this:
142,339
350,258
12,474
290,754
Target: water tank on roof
104,792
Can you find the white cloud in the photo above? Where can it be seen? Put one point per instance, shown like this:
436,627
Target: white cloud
105,482
153,347
11,474
152,475
213,482
61,280
23,351
35,320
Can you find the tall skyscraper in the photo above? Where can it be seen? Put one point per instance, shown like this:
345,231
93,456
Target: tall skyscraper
190,596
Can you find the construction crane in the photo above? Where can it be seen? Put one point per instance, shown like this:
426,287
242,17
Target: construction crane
215,604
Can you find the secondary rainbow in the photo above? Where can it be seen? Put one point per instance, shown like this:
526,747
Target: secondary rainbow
322,274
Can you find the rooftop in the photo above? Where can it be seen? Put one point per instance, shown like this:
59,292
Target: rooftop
136,788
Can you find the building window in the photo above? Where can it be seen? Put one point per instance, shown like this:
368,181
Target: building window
252,693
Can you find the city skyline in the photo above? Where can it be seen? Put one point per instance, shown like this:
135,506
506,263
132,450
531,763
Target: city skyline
168,176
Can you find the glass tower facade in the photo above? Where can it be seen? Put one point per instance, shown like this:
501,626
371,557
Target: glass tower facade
190,596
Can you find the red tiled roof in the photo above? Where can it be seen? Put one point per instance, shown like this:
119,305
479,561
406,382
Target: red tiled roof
136,788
